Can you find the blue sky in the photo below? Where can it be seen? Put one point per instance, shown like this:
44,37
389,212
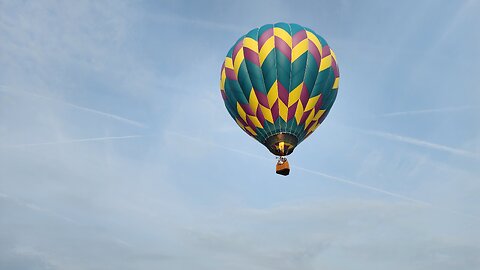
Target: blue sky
116,151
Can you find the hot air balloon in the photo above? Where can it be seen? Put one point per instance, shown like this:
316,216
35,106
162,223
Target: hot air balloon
278,83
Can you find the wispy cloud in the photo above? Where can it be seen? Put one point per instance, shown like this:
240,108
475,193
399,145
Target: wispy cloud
417,142
36,208
363,186
71,105
426,111
203,141
385,192
49,212
206,24
110,138
467,8
334,178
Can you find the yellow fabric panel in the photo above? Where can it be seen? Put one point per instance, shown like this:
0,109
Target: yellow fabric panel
309,118
335,84
272,95
311,36
241,112
267,113
251,130
228,63
299,49
281,33
312,128
251,44
266,49
318,115
283,110
239,123
317,124
253,101
223,76
255,121
238,61
299,112
326,62
294,96
311,103
333,54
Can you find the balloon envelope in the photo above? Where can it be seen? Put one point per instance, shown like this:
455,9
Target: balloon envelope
278,83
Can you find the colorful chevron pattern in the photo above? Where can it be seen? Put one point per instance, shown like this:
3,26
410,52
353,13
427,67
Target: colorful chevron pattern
279,78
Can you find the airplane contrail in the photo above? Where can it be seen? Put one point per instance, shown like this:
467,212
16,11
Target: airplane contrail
414,141
109,115
36,208
82,108
73,141
343,180
425,111
466,9
49,212
335,178
206,24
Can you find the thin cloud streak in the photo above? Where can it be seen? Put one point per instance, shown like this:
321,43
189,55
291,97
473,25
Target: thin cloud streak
82,108
334,178
396,195
113,116
417,142
36,208
74,141
51,213
426,111
196,139
466,9
174,19
343,180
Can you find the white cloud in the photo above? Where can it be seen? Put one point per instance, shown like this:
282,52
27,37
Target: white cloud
68,104
426,111
421,143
